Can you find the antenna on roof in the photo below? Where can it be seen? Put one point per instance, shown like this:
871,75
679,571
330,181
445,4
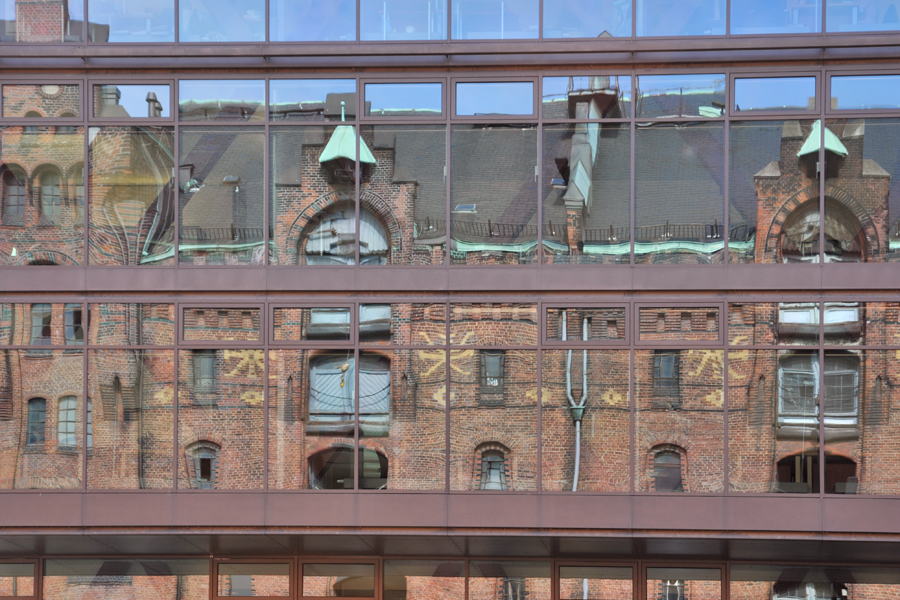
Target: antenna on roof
342,111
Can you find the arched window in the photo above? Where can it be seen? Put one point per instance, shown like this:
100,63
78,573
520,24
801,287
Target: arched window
51,198
333,240
845,239
493,470
203,464
492,467
13,198
667,472
65,422
37,418
331,469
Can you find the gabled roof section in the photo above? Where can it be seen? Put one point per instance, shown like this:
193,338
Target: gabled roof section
343,145
832,143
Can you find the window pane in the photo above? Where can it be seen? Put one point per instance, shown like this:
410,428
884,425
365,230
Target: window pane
595,583
515,580
48,100
590,386
230,412
162,579
494,20
222,21
581,323
770,323
221,218
775,93
339,580
847,383
773,424
799,581
133,21
311,419
404,99
592,19
410,176
74,329
313,214
662,96
493,195
498,421
254,579
313,21
411,579
679,583
679,179
768,186
679,414
498,98
221,324
587,194
403,324
497,324
862,157
403,20
300,324
131,419
47,385
878,15
45,219
16,579
135,195
22,22
775,16
690,17
132,324
131,101
221,100
586,97
683,323
308,99
865,92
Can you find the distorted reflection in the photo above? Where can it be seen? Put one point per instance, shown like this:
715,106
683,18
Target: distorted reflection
585,420
313,419
313,211
26,22
679,420
220,419
493,194
133,190
45,404
679,193
404,191
41,171
221,200
130,419
37,101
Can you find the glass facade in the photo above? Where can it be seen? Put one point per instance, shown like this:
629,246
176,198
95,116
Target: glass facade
420,299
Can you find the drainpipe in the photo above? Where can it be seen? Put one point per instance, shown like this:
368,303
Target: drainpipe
576,408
